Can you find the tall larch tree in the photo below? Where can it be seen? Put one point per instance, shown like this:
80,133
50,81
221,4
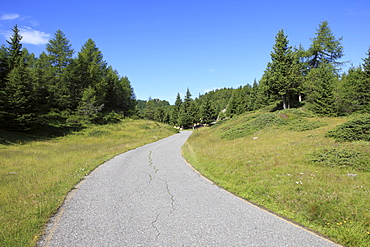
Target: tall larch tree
325,47
59,55
91,71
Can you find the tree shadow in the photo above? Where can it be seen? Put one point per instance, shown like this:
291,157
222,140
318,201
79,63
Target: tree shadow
294,104
40,133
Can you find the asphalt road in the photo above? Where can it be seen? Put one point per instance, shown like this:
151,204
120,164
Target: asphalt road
151,197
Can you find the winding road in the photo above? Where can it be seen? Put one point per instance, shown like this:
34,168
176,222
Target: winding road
151,197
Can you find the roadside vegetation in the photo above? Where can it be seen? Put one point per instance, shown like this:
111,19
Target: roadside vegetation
288,162
37,171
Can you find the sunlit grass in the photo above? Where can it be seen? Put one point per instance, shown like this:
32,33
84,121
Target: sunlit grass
36,176
270,168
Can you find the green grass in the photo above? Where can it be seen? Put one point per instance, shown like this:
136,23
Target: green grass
37,171
291,169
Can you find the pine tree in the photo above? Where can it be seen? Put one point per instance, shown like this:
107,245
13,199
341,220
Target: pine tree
188,111
88,107
325,48
42,75
233,104
366,64
3,73
60,52
354,92
92,70
149,112
355,88
59,56
126,96
281,72
176,110
17,95
208,113
14,50
3,63
319,85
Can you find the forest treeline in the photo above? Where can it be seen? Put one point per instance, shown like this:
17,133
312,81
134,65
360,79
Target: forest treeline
294,77
59,88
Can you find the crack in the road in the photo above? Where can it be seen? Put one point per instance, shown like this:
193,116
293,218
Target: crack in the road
156,228
152,166
171,196
151,178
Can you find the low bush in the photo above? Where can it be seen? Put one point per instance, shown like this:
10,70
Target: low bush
342,158
304,125
251,126
354,130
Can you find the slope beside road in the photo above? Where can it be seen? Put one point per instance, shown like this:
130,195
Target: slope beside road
151,197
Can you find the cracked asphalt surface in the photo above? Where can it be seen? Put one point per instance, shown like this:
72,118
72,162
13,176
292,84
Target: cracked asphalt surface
151,197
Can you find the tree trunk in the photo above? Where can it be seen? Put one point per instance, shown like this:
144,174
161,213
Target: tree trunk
284,102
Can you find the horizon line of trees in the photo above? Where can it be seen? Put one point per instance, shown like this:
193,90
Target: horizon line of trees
62,89
294,77
58,87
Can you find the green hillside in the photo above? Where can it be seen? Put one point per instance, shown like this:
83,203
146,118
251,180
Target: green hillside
286,162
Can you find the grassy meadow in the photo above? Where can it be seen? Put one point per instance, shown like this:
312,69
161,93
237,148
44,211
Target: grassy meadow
284,162
37,171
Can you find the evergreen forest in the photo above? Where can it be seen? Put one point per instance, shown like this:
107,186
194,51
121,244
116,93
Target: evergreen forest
61,88
58,88
312,77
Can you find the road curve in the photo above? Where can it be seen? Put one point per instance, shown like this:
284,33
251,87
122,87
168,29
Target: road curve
151,197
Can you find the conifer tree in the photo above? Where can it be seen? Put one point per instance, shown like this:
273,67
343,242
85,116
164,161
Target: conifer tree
14,50
176,110
3,73
207,111
60,52
88,107
325,48
280,74
17,94
319,85
59,56
42,75
92,69
366,64
354,91
232,107
188,111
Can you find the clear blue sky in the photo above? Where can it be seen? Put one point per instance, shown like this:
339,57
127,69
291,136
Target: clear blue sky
167,46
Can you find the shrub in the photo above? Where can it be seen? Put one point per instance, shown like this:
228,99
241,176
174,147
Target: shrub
303,125
342,158
249,127
355,130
